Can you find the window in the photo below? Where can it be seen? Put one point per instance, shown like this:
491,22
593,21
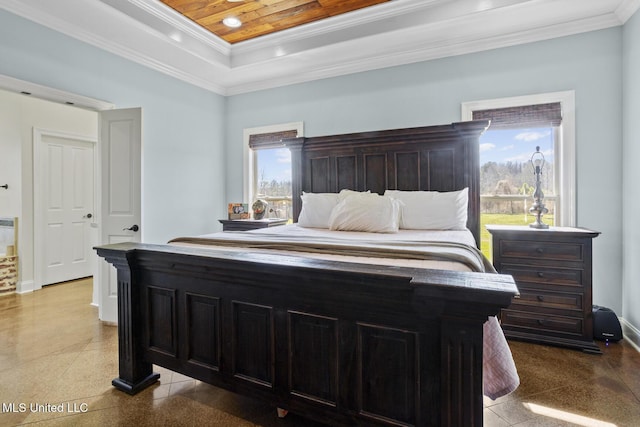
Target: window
518,126
267,171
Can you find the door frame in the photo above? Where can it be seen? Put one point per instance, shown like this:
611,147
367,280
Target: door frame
59,96
38,195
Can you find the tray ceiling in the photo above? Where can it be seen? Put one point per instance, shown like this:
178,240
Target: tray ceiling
376,35
260,17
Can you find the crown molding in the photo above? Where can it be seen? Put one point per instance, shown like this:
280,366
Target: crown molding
150,33
446,47
180,22
66,27
59,96
626,9
386,18
391,9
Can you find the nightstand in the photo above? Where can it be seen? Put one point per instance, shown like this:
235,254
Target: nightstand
250,224
553,271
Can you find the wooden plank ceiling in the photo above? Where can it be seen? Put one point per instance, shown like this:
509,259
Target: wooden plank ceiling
261,17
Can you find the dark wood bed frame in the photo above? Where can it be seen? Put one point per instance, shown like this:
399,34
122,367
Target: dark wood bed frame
342,343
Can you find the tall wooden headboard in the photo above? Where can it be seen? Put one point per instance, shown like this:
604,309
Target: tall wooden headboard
432,158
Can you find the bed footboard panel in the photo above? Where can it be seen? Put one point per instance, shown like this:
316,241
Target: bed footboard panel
338,343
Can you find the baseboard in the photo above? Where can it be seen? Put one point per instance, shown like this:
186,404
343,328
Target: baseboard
25,286
631,334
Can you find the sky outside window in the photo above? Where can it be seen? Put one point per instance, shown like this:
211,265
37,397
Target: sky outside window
515,145
274,165
505,160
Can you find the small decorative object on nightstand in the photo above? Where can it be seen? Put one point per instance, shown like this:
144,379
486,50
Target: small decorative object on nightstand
553,271
259,209
538,209
238,211
250,224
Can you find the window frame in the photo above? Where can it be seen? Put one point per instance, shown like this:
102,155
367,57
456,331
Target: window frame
564,140
250,164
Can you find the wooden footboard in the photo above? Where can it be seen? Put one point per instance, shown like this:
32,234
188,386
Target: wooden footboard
337,342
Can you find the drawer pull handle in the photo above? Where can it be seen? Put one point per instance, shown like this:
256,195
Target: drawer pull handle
539,250
540,298
540,274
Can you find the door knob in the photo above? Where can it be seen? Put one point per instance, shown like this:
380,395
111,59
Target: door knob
88,216
133,228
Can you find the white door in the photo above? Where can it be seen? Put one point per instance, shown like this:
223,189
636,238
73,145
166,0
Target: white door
120,134
64,206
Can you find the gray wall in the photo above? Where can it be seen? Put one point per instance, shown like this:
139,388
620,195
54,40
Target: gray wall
631,172
190,135
183,126
431,93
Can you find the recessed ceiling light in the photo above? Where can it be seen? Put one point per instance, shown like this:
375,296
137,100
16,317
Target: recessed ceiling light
232,22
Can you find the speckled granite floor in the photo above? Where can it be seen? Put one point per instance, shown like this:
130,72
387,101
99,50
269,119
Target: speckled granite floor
56,354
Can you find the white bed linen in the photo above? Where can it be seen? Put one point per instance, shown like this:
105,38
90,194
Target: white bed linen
462,236
402,237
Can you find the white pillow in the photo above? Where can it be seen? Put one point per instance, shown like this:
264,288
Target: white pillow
345,193
316,209
433,210
366,212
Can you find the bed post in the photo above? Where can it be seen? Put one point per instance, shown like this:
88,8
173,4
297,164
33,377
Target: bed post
295,147
134,373
461,384
470,133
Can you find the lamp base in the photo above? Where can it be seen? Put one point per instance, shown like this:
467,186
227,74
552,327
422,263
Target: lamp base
538,210
539,225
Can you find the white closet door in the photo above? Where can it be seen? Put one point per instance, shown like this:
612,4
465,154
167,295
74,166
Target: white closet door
68,201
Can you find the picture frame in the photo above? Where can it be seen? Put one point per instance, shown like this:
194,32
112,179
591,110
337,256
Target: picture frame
238,211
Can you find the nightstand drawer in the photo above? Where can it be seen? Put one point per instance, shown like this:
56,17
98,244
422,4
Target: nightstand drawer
552,269
532,297
544,275
542,250
540,322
